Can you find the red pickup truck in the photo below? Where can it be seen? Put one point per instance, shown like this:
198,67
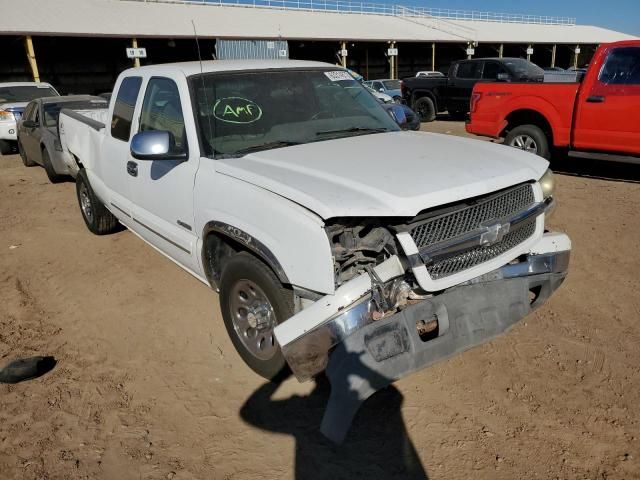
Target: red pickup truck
597,117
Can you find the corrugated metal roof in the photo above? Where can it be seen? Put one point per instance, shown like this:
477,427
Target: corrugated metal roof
150,19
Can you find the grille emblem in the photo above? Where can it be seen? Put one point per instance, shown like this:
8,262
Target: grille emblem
494,234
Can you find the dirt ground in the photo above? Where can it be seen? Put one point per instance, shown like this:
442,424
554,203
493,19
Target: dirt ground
148,385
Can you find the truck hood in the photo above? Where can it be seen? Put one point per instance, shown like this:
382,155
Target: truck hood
396,174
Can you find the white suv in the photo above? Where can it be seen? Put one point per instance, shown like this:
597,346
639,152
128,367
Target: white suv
13,100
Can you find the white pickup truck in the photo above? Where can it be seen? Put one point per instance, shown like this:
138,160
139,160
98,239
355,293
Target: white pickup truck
288,188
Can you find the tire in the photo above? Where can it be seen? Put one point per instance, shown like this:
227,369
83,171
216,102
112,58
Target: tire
97,218
248,285
27,162
398,99
5,147
529,138
51,173
425,108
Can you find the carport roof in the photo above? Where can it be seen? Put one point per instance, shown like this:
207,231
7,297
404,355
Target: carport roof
117,18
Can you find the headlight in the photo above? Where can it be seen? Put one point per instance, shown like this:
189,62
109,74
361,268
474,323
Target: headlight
6,116
548,184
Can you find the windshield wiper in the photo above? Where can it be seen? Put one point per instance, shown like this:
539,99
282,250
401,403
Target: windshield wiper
353,130
258,148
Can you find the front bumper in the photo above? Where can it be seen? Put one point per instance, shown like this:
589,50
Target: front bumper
361,355
8,131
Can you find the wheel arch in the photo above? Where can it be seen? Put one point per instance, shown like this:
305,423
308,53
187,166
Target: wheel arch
221,241
526,116
418,94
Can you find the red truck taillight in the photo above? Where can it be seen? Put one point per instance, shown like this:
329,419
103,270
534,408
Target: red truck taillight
475,98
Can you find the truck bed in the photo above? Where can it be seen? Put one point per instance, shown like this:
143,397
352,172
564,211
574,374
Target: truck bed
82,132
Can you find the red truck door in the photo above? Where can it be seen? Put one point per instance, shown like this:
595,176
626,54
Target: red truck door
608,110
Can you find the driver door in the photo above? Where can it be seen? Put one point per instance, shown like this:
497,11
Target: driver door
162,190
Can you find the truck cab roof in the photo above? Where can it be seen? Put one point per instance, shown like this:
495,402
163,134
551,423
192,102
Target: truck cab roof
215,66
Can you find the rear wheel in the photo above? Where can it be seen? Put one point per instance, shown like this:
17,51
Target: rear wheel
426,109
96,217
23,155
253,302
529,138
51,173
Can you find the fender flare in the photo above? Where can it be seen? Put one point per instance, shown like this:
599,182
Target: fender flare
246,240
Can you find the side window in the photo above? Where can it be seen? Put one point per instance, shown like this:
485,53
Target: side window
123,108
622,67
161,110
491,70
469,70
377,86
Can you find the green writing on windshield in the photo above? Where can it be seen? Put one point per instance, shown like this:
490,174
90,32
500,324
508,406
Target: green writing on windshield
237,110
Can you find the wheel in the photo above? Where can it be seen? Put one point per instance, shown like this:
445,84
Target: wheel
426,109
5,147
23,155
51,173
253,302
398,99
529,138
98,219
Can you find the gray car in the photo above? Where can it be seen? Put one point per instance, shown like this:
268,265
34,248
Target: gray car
38,136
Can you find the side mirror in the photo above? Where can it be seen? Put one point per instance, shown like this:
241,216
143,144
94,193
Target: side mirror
397,113
155,145
503,77
29,124
381,89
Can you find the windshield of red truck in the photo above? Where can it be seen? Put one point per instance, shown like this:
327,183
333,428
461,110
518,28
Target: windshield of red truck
244,112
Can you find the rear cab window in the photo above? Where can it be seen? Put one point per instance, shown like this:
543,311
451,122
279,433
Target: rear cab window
124,107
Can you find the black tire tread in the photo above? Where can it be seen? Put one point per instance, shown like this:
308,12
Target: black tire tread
104,222
243,265
52,175
536,133
26,161
430,107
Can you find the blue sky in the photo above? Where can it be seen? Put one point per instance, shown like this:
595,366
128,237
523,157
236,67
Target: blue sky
620,15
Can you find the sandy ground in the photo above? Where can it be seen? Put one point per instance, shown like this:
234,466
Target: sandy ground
148,385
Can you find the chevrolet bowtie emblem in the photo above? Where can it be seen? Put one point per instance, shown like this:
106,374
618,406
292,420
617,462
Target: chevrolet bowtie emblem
494,234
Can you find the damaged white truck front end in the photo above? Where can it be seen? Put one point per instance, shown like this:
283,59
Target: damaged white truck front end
412,293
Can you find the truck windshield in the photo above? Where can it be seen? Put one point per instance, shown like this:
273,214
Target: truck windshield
25,93
522,68
244,112
52,110
392,84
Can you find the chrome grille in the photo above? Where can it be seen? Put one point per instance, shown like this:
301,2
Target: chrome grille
468,218
478,255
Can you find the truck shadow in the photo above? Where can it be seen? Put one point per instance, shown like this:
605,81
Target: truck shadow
600,169
377,446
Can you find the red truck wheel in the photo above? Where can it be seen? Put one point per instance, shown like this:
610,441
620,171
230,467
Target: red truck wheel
529,138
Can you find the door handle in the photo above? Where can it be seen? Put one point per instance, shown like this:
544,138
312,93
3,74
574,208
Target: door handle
595,99
132,168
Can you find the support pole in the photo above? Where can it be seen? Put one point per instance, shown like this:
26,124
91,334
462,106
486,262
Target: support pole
528,54
501,50
553,55
433,56
134,44
343,57
575,56
395,63
366,63
31,56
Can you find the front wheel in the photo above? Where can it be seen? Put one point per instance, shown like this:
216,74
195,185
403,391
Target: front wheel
5,147
27,162
529,138
253,302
